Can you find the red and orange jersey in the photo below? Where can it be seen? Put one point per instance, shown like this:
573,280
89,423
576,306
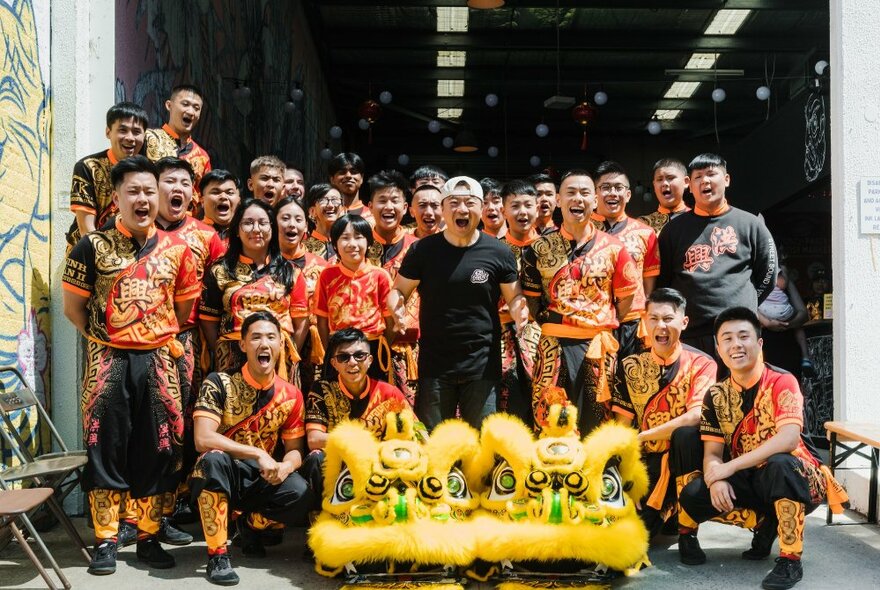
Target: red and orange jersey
319,244
251,413
329,403
230,297
311,266
389,255
222,233
364,212
658,219
91,191
744,419
654,391
205,244
516,246
131,289
164,142
578,286
641,243
353,299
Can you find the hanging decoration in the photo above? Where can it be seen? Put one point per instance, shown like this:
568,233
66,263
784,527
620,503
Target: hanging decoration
370,111
583,115
336,132
600,98
385,97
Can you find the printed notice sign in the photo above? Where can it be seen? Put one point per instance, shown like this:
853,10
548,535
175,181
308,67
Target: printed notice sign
869,206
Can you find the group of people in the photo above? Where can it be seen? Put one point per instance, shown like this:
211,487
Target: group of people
226,336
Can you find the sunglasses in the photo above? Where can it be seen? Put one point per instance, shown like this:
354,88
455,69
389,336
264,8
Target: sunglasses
344,357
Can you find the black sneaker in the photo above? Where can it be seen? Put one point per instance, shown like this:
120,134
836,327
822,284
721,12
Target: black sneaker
127,534
272,536
220,570
785,574
183,512
170,534
250,539
103,559
689,550
762,542
150,551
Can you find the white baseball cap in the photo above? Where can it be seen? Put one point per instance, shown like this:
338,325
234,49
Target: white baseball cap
451,188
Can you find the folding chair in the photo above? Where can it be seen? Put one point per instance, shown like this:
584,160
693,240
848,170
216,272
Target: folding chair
61,471
15,505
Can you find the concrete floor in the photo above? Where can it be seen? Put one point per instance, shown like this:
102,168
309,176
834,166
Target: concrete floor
845,556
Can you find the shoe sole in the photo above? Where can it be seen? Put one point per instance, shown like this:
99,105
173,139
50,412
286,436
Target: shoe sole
176,542
100,571
754,557
225,582
690,561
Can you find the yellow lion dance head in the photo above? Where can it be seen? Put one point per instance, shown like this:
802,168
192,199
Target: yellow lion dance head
558,502
401,503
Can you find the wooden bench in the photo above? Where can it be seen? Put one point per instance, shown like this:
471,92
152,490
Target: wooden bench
862,440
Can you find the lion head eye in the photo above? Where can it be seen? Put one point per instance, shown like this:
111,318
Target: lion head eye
612,488
457,485
343,492
503,482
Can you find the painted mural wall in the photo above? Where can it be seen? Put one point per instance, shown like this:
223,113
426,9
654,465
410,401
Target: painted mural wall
25,127
220,45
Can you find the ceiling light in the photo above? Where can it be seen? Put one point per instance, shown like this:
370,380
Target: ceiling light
666,114
452,19
446,88
465,142
727,22
450,113
451,59
485,4
700,61
682,90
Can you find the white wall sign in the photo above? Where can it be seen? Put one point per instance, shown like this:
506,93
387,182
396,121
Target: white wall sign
869,206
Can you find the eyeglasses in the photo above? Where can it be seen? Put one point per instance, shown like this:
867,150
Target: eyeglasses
359,356
612,188
250,224
324,202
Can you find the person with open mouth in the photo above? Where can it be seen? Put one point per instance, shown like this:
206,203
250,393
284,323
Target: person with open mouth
660,391
220,197
241,417
460,275
324,206
391,242
91,193
266,181
294,183
578,282
353,293
670,182
492,215
346,174
174,138
640,241
546,189
520,209
426,211
128,288
292,229
253,276
716,256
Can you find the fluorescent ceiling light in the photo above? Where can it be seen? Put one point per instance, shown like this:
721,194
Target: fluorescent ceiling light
701,61
667,114
727,22
452,19
450,88
682,90
451,59
449,113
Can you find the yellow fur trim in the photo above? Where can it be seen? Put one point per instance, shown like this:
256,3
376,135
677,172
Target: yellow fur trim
506,436
424,542
615,439
400,426
618,545
350,444
451,442
401,586
561,421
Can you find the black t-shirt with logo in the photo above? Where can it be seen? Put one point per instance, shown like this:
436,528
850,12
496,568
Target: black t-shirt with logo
459,290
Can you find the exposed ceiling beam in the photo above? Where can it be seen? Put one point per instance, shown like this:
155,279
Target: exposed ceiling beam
580,40
606,4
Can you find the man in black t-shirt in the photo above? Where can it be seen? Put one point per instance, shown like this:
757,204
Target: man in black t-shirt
460,274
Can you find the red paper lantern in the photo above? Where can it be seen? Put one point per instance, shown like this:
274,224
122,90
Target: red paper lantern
370,111
583,114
